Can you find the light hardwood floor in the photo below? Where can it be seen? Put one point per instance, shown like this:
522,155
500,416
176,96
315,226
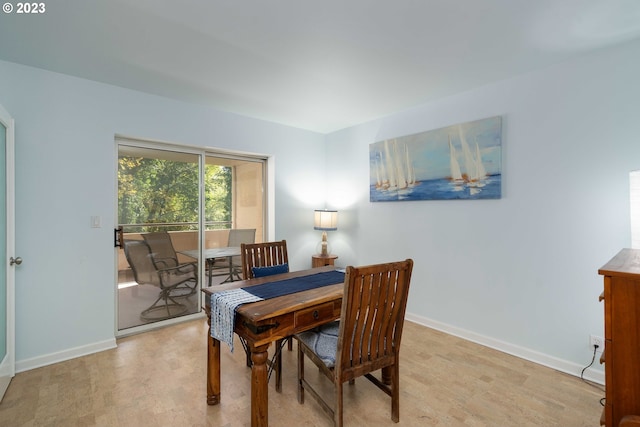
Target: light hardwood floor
158,379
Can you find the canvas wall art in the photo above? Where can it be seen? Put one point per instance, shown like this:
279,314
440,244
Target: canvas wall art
461,161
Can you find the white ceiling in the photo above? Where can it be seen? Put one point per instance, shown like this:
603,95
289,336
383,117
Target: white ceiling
318,65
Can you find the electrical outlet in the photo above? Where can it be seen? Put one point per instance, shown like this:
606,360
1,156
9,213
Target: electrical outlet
596,340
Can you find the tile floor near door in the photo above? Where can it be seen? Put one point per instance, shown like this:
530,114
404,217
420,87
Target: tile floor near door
158,379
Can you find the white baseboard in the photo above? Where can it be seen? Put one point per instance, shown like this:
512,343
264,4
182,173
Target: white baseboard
72,353
514,350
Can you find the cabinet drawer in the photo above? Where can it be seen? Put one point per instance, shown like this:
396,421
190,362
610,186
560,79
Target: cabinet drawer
314,315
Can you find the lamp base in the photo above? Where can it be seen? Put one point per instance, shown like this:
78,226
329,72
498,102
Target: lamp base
323,247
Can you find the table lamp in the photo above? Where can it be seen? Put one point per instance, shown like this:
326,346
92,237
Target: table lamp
325,220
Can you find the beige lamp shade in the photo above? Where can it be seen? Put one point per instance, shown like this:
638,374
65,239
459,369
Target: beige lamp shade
325,220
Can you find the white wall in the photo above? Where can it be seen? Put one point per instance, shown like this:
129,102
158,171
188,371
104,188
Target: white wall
519,273
65,173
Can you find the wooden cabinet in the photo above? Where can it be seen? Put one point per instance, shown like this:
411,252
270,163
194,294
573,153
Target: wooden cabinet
622,337
321,261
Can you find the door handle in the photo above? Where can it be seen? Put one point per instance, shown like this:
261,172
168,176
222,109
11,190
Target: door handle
118,237
16,261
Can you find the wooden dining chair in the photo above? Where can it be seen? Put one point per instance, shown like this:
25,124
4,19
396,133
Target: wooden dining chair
264,259
365,339
260,260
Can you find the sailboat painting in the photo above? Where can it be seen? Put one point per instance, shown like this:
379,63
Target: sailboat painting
461,161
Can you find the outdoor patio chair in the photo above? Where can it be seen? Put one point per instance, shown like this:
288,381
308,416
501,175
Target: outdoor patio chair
164,255
173,282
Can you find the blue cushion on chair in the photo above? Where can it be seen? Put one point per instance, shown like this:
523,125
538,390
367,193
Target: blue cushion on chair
268,271
323,340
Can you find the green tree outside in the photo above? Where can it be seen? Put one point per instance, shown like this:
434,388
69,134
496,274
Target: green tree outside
166,191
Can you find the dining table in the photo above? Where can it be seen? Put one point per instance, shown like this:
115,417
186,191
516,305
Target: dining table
210,255
267,320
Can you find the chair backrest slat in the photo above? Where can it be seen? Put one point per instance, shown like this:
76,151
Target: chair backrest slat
378,320
373,310
266,254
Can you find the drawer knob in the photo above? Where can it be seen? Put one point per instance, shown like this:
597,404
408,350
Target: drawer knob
316,314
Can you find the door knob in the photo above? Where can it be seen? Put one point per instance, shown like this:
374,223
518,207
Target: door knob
13,261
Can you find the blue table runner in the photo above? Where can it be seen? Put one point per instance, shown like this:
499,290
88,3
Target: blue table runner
296,284
225,303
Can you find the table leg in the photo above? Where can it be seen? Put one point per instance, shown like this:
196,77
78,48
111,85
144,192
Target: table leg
213,369
259,387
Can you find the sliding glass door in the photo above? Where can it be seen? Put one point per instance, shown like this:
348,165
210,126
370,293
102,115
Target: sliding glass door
234,194
174,203
158,212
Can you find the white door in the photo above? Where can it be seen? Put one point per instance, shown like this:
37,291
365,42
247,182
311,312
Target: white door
7,247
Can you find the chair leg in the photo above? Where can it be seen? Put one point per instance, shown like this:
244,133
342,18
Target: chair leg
300,375
395,393
290,343
278,365
337,415
247,352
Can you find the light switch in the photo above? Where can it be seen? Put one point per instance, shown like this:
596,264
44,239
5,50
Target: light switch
96,221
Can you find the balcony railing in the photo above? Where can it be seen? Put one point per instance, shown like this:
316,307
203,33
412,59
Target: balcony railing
175,226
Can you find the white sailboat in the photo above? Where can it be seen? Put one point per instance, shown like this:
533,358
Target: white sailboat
394,169
469,162
411,176
377,165
481,172
456,174
389,166
401,177
382,182
475,171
